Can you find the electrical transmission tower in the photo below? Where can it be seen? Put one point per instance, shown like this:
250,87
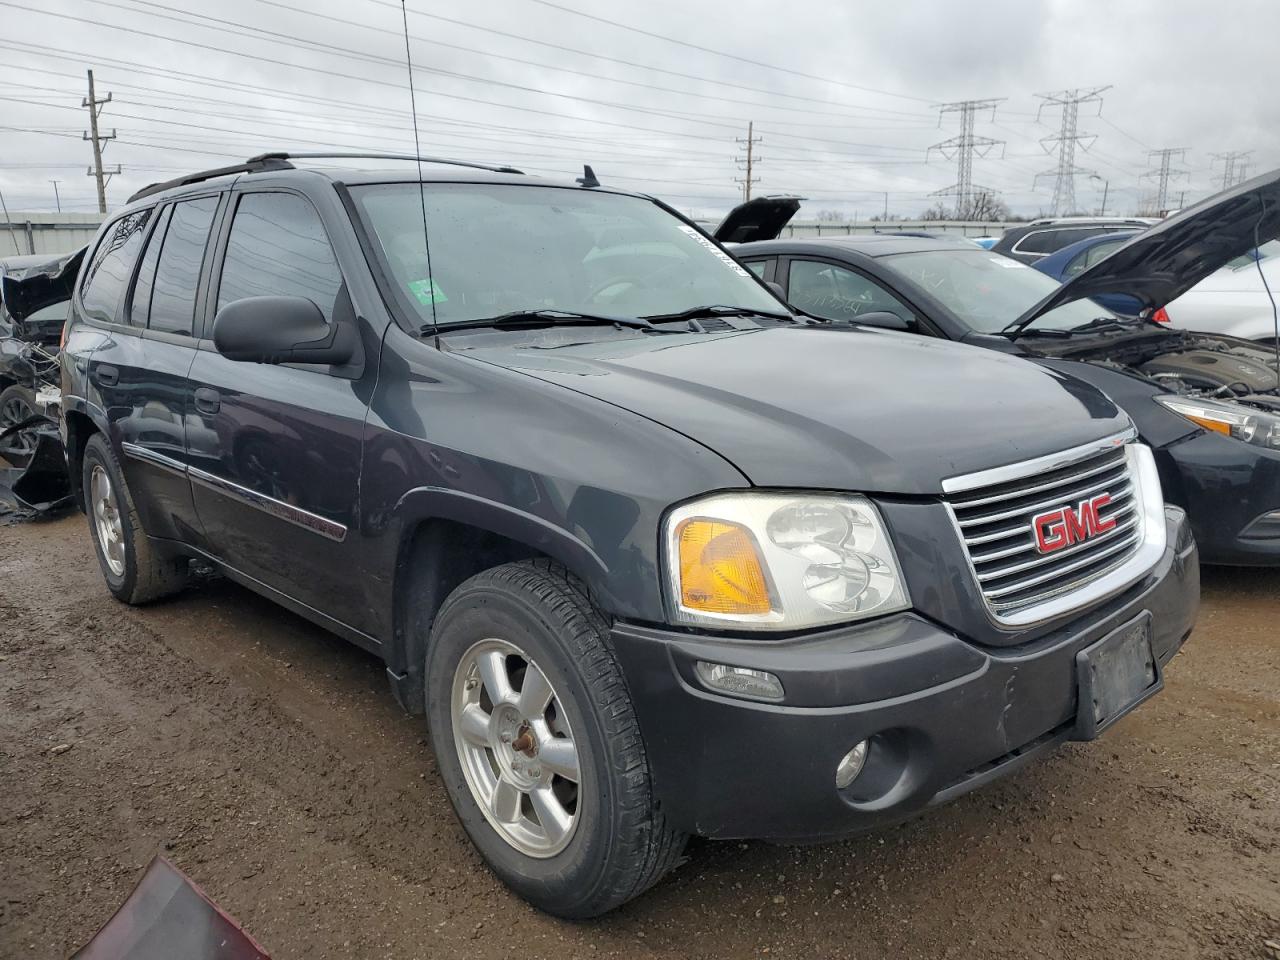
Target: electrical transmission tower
1064,184
747,163
1234,166
963,148
1163,174
99,144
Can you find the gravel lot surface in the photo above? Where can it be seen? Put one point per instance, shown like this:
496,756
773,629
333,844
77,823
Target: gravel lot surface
267,759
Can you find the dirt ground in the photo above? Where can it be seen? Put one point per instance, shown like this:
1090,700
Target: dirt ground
267,759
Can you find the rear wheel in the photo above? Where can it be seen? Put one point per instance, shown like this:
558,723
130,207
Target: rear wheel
537,741
16,405
134,570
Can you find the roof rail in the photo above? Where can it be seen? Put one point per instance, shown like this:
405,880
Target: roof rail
359,155
252,165
279,160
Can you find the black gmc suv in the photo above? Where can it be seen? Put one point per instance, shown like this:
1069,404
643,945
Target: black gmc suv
655,556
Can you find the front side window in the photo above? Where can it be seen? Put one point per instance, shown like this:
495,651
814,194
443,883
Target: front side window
987,291
112,266
173,297
1087,258
835,293
499,248
278,248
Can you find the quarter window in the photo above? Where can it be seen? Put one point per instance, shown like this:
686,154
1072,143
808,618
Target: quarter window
173,299
278,248
112,266
835,293
140,302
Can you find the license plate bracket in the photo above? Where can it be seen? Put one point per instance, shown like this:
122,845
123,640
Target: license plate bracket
1114,675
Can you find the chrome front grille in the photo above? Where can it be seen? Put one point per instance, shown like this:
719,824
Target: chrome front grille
995,521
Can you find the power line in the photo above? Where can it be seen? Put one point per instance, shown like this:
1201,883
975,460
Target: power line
729,56
1064,186
963,148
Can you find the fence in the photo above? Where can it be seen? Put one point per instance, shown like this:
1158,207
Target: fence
51,233
961,228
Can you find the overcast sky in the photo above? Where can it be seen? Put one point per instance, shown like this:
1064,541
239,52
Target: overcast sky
844,95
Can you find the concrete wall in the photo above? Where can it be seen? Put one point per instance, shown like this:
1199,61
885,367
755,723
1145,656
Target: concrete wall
51,233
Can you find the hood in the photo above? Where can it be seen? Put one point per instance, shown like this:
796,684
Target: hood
27,289
760,219
826,408
1162,263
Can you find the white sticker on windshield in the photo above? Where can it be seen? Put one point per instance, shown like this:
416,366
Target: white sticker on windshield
727,260
1006,262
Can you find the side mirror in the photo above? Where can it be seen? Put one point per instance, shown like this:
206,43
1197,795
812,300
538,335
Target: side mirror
281,330
777,289
884,319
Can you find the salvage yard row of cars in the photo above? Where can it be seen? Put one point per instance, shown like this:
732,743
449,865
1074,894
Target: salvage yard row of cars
789,542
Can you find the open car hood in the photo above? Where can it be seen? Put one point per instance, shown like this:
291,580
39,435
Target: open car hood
759,219
28,289
1162,263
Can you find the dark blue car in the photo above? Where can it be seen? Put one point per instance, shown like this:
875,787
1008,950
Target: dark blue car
1077,257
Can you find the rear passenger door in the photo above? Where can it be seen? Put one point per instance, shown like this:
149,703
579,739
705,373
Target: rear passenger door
275,449
140,370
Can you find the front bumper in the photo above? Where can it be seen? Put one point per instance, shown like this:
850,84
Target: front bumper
1228,487
945,715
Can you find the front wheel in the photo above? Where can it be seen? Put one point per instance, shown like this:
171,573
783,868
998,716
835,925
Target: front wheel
17,404
538,744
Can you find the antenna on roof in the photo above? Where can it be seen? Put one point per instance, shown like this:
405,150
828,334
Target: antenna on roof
417,151
588,178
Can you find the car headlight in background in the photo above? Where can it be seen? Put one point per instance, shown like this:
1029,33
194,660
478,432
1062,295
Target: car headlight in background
1230,419
780,561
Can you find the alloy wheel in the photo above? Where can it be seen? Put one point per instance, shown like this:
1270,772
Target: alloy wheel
106,519
516,747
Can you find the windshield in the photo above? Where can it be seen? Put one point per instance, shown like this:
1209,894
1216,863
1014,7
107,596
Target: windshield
499,248
988,291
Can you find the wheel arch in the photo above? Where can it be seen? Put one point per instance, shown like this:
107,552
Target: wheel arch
448,536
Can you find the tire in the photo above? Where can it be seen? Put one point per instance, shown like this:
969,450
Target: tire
17,403
535,617
134,570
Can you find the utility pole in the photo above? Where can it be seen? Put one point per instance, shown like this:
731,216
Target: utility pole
56,199
99,143
1064,184
886,206
1165,172
1106,185
750,160
963,148
1233,166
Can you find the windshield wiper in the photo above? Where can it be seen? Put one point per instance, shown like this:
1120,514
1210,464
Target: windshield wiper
719,310
516,319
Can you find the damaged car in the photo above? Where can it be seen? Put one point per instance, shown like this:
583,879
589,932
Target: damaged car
1207,404
609,511
35,296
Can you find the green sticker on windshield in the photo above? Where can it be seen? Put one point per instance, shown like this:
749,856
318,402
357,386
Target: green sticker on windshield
427,292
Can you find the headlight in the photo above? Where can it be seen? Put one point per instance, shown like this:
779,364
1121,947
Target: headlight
779,562
1231,419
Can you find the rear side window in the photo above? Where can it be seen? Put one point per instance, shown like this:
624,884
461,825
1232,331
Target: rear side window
173,299
278,248
1050,241
108,275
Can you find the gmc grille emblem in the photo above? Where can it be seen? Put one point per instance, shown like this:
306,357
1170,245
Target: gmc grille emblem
1059,529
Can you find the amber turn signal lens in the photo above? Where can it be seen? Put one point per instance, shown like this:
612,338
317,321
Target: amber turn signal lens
1215,425
720,569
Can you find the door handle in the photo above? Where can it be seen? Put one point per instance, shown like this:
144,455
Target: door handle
207,400
106,375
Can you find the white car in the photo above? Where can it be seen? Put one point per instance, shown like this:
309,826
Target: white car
1234,300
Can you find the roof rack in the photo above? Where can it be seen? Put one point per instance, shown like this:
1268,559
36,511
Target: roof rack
279,160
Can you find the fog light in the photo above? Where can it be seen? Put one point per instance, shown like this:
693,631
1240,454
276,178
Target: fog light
739,681
850,765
